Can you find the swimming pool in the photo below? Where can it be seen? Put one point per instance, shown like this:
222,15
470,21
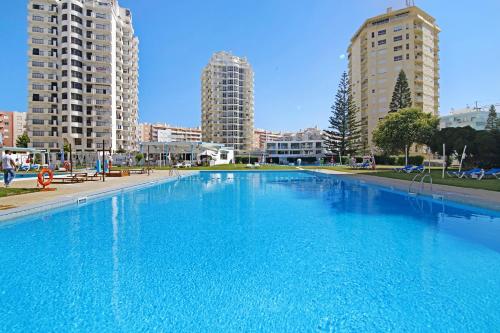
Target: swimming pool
253,251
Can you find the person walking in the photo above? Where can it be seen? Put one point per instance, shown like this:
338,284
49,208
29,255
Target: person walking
8,167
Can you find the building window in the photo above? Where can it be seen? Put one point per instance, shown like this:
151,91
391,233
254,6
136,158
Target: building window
76,30
382,32
398,38
38,121
77,8
76,19
37,29
398,48
37,18
398,58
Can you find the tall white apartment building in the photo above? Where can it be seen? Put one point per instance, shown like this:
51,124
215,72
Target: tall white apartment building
405,39
227,102
83,76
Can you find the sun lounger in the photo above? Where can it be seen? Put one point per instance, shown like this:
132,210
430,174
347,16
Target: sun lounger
69,179
24,167
89,177
416,168
118,173
466,173
138,171
495,172
364,165
35,167
406,168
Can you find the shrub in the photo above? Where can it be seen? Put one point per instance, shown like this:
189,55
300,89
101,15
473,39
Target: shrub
139,157
385,160
414,160
244,159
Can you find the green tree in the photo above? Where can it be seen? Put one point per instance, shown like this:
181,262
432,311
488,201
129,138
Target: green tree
492,123
455,139
402,129
401,97
344,133
22,141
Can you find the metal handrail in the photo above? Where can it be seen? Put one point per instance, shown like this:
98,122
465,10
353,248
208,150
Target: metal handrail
413,181
422,184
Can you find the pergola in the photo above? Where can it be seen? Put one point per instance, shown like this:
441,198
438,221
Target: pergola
178,148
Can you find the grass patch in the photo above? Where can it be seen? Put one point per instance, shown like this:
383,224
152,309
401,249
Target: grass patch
484,184
7,192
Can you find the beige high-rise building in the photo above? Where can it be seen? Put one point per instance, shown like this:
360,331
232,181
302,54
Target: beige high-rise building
167,133
405,39
83,76
227,102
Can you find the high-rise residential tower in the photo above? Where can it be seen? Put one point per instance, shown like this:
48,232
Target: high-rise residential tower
406,39
83,76
227,102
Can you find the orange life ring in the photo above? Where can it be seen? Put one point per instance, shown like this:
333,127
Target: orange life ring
45,182
67,165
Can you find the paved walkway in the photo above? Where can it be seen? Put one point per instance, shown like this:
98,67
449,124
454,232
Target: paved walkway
70,192
476,197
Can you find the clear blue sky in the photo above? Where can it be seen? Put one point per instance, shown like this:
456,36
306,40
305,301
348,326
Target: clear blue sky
293,46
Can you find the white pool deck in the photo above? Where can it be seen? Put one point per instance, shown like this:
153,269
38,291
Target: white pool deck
20,205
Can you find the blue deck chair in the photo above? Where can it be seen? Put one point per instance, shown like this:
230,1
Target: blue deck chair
460,174
495,172
406,168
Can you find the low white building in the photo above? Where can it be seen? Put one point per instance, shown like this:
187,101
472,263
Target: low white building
474,117
306,145
193,153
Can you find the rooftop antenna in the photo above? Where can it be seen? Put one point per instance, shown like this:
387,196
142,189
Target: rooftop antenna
410,3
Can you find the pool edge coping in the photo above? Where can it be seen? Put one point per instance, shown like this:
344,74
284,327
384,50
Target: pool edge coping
74,199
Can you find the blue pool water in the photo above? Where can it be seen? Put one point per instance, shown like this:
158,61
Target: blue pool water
253,251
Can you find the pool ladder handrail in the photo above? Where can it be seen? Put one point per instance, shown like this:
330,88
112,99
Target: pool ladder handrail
422,184
175,173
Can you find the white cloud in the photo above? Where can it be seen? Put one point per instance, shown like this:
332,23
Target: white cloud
342,56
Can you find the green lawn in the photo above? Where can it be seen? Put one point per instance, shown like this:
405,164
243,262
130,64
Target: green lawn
7,192
436,173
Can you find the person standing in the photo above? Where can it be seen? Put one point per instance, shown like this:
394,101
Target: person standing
8,167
